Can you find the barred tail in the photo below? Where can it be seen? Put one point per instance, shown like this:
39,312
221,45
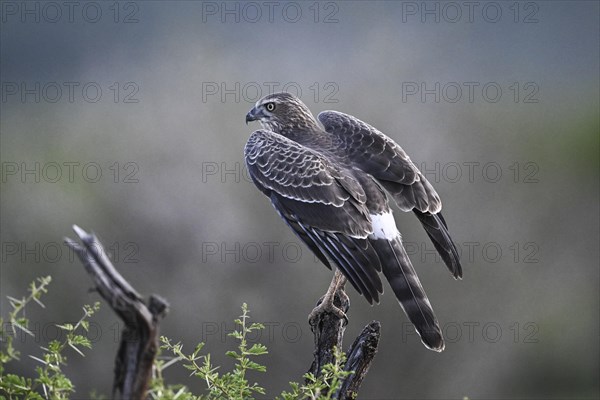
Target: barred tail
403,279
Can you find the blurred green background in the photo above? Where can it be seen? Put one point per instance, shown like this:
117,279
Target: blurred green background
128,119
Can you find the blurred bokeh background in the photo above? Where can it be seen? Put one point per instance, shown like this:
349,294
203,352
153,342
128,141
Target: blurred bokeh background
127,119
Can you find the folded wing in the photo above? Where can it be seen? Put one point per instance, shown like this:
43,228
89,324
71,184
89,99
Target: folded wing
377,154
323,204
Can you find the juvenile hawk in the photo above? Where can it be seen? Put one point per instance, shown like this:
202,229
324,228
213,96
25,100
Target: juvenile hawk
329,185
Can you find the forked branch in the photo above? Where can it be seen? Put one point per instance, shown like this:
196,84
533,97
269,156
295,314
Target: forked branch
139,339
328,330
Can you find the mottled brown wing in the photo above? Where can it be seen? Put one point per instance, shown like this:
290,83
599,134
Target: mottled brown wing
323,204
375,153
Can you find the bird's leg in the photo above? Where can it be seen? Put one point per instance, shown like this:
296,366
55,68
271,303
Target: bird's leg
326,303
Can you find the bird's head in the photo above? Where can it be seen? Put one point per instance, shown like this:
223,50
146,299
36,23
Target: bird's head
282,113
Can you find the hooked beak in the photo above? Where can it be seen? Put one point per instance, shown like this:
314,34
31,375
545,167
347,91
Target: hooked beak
252,115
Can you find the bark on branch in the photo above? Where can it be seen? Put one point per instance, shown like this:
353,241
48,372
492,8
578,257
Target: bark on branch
328,330
139,339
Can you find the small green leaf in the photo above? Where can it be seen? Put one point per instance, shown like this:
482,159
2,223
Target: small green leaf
66,327
257,349
85,325
233,354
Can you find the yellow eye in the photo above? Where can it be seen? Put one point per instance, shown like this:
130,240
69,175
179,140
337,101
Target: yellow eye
270,106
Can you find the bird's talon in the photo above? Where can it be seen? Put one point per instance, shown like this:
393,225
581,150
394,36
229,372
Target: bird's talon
323,308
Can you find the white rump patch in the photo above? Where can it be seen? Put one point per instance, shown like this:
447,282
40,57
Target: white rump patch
384,226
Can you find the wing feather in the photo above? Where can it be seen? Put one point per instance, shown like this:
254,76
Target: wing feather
298,173
378,155
354,256
322,203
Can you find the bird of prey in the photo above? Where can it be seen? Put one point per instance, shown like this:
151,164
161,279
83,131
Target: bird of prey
328,182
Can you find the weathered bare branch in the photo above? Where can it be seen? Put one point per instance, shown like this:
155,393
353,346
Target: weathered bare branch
139,339
358,359
328,330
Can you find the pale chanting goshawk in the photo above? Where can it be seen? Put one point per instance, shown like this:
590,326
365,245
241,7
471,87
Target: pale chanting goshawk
329,185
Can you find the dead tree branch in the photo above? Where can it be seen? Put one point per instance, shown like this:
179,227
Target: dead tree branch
328,330
139,339
358,359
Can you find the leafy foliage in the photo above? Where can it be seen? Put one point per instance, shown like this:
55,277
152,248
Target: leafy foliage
230,385
323,387
50,381
234,384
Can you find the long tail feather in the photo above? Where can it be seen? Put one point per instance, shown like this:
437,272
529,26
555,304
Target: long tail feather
403,279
